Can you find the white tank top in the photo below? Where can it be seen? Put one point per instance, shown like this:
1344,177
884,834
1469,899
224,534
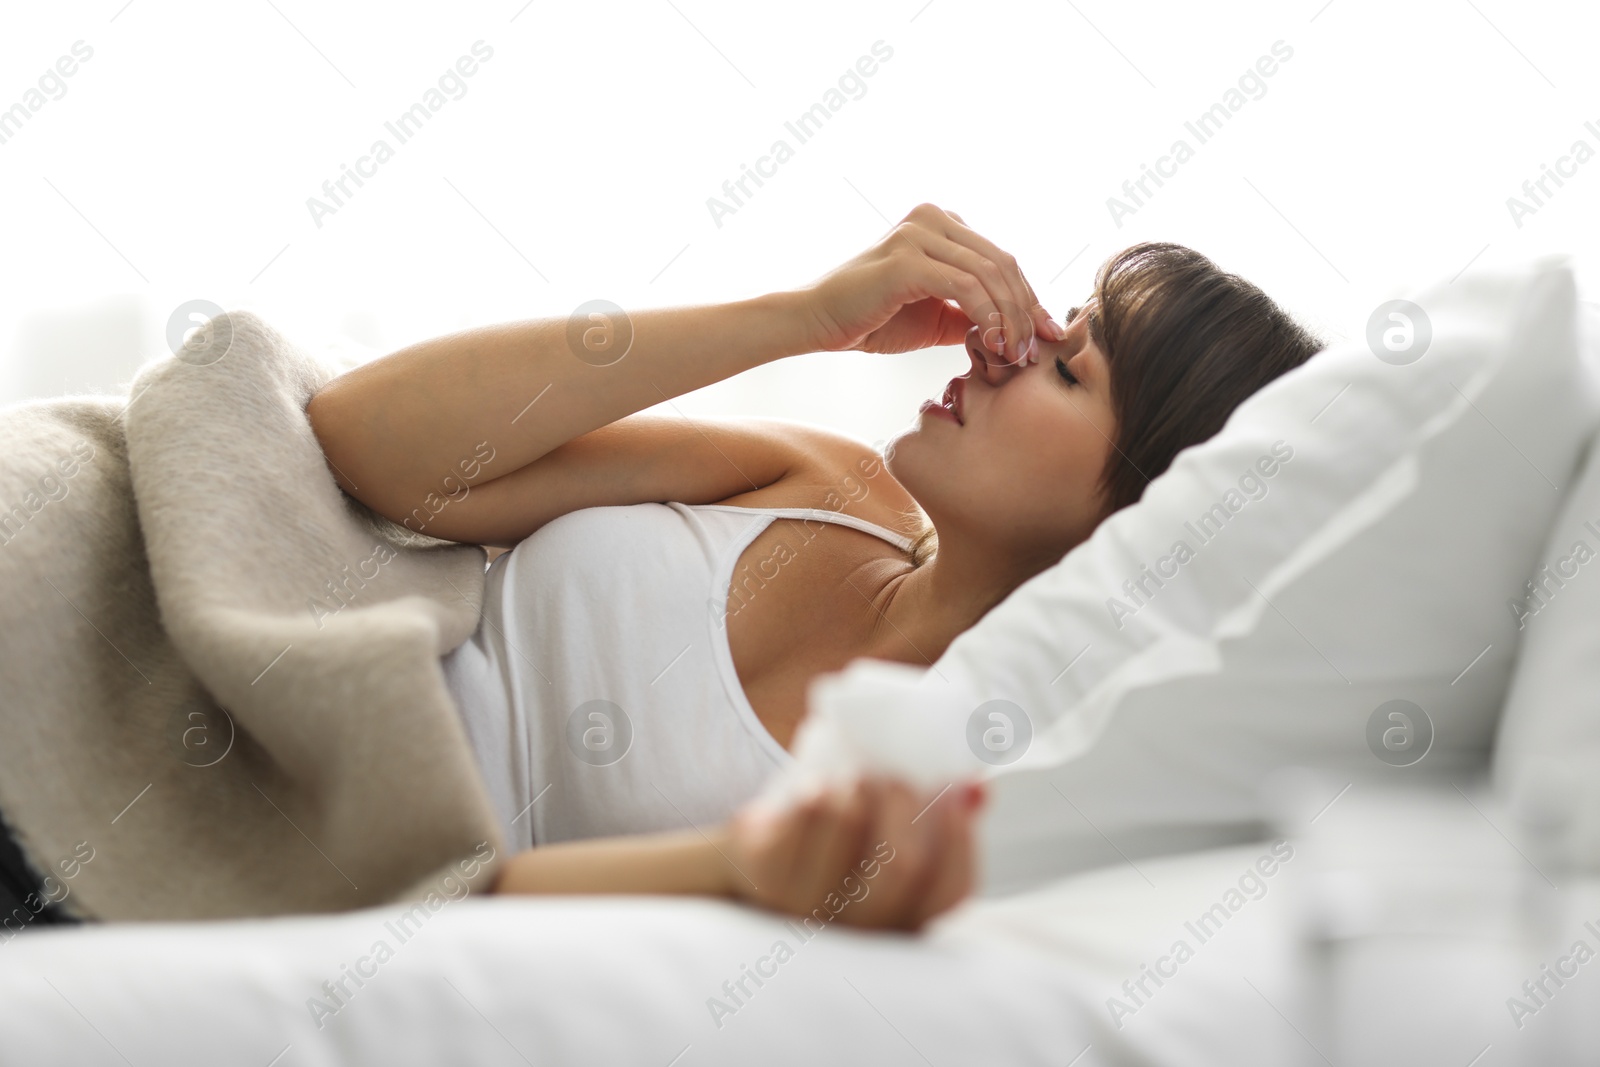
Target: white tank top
599,691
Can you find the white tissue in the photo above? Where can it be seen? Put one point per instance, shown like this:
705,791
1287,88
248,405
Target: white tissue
881,718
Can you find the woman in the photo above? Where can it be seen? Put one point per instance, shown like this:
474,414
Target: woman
729,543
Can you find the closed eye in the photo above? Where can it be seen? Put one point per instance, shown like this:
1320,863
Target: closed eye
1066,375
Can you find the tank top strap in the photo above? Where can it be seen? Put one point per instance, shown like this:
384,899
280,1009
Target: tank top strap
899,540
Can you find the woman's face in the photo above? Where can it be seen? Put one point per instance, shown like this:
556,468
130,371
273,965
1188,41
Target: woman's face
1011,458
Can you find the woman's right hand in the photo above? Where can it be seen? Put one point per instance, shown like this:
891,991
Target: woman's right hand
926,283
874,853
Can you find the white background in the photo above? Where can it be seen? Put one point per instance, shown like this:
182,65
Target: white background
577,166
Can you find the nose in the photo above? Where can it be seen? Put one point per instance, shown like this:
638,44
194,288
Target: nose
985,364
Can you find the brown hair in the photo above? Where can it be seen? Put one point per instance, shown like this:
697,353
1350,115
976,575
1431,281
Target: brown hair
1186,343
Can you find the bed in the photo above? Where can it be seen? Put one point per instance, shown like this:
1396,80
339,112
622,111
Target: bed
1018,980
1395,928
1166,910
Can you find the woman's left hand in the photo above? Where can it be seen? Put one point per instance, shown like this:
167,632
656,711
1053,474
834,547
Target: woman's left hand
926,283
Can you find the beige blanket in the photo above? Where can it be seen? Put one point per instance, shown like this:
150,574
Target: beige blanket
220,673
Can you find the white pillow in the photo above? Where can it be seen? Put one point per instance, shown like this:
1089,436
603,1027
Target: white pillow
1375,516
1547,757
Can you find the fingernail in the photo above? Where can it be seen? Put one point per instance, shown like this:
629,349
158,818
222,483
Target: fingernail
1058,332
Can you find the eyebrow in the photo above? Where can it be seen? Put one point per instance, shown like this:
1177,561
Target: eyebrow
1094,329
1096,335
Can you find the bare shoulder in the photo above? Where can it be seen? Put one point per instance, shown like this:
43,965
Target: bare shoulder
835,472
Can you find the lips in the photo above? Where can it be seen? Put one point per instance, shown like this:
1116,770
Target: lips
952,399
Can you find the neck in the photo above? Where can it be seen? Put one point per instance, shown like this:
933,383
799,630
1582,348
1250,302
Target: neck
917,612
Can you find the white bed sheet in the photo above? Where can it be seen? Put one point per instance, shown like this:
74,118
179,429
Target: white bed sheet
1018,980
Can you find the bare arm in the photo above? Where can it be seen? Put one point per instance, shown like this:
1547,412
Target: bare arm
410,434
643,457
416,426
674,863
873,852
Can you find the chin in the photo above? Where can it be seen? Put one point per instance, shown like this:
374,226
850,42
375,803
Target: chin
912,460
900,448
